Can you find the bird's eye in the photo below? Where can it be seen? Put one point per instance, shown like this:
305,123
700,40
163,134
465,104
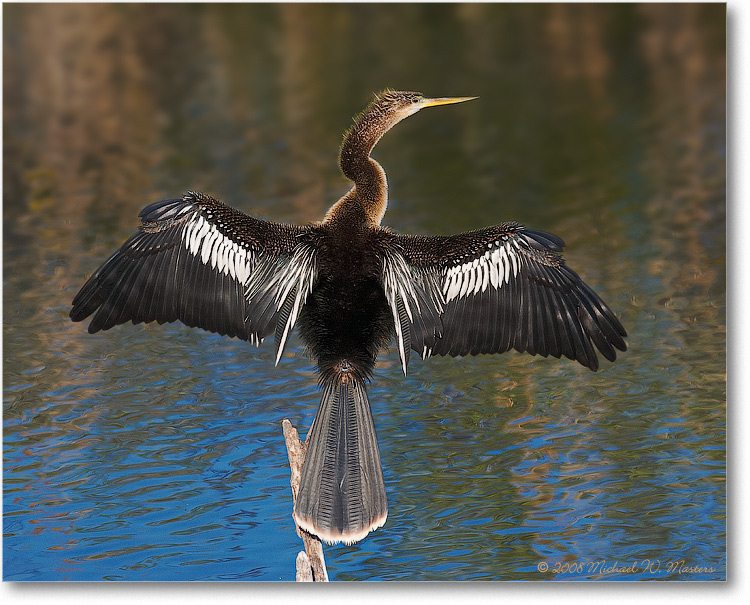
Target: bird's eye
415,100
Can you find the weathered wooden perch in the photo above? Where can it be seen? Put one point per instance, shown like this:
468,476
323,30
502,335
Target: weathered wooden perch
311,566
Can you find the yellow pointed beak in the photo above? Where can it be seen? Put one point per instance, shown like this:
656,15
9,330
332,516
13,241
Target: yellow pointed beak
445,101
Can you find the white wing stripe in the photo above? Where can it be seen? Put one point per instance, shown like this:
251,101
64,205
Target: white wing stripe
485,275
216,250
231,254
464,280
514,257
506,265
204,240
224,258
494,273
494,268
450,281
218,262
188,235
208,242
472,278
241,266
455,286
198,234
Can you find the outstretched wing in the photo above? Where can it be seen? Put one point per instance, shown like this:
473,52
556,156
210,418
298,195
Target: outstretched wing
205,264
492,290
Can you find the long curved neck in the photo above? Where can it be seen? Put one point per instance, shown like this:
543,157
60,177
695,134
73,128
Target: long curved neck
370,186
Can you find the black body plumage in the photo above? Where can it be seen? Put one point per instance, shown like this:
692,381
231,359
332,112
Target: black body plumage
350,286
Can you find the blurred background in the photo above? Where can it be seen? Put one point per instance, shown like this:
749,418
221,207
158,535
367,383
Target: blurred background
156,452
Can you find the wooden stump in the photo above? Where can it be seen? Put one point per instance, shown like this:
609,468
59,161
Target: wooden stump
311,566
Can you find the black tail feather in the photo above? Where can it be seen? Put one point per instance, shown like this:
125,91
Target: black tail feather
342,494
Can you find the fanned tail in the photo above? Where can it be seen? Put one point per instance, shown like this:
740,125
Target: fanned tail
342,494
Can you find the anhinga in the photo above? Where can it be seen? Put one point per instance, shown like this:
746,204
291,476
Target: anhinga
349,285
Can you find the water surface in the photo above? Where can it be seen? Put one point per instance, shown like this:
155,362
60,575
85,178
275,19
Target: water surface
156,452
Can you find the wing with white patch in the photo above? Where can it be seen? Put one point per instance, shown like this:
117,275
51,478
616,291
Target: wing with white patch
504,288
207,265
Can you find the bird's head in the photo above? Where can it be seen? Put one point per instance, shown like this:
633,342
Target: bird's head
401,104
